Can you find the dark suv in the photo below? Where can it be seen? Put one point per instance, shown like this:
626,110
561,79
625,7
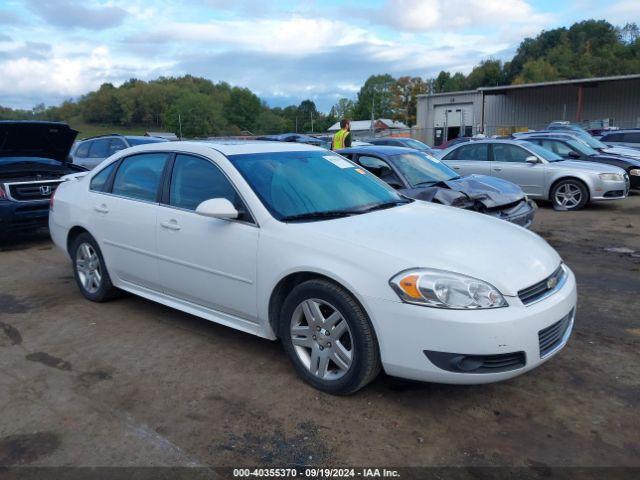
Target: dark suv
33,158
89,152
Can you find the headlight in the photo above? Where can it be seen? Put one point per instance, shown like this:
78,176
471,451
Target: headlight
611,177
635,172
442,289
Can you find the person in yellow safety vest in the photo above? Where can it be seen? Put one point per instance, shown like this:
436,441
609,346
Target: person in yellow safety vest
342,138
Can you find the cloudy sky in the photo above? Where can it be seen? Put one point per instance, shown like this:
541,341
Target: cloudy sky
285,51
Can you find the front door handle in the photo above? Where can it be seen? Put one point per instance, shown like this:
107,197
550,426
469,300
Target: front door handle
101,208
456,167
497,169
170,225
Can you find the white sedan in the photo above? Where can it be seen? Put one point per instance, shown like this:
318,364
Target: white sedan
291,241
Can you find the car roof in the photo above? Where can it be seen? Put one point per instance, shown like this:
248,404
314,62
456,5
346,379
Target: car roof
239,147
378,149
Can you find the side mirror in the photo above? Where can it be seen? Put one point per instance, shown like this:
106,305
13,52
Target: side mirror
573,154
531,159
217,208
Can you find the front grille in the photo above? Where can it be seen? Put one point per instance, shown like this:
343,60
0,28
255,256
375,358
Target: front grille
30,191
549,338
543,288
460,363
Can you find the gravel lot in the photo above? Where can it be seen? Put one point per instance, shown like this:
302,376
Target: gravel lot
131,382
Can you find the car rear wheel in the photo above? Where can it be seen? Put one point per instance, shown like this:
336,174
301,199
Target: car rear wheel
90,271
329,338
569,195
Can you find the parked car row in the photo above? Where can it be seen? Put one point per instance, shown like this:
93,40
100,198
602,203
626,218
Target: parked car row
332,253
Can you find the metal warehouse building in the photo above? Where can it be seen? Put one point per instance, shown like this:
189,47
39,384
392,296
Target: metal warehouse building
596,102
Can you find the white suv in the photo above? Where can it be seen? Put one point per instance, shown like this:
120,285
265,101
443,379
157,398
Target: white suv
290,241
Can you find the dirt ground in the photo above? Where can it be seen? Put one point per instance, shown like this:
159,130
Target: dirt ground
133,383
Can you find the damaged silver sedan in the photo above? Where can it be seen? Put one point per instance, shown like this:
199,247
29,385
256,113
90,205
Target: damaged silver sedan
423,177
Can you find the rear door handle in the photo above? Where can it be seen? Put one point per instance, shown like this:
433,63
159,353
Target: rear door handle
455,167
170,225
497,169
101,208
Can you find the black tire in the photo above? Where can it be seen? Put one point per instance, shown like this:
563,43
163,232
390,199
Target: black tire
365,363
105,290
570,184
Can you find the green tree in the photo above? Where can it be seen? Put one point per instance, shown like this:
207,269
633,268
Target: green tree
242,108
376,93
196,114
537,71
269,122
486,74
405,97
343,109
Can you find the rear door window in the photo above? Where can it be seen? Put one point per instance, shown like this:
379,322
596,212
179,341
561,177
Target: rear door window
99,181
99,148
116,145
138,176
477,152
83,150
505,152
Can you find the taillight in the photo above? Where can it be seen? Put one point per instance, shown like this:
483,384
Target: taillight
3,194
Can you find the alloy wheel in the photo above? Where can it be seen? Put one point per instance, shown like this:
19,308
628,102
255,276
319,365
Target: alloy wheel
568,195
88,267
322,339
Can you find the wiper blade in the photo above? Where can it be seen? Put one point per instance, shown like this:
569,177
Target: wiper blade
319,215
382,206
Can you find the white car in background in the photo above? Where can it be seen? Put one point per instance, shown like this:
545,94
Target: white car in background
291,241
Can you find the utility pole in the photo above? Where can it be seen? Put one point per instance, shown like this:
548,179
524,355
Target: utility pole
311,117
296,124
180,125
373,103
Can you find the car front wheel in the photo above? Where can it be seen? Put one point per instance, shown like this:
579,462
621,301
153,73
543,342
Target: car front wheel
569,195
329,338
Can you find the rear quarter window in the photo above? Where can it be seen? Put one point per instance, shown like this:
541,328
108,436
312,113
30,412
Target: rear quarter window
83,150
99,181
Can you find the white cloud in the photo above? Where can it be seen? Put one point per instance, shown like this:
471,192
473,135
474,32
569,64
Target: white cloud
426,15
292,36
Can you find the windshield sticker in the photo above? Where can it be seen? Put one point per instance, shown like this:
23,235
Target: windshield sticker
338,161
361,171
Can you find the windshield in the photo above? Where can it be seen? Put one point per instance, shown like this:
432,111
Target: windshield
141,141
410,142
422,169
582,147
589,140
293,184
548,155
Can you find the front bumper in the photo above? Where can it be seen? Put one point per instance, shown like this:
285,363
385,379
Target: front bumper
611,190
521,214
23,215
406,332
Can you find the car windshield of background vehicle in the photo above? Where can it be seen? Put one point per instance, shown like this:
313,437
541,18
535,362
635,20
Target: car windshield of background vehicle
410,142
420,169
312,184
589,140
548,155
582,147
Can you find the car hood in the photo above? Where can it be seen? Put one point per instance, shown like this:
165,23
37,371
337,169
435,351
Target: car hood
585,166
36,139
422,234
465,192
622,151
626,160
